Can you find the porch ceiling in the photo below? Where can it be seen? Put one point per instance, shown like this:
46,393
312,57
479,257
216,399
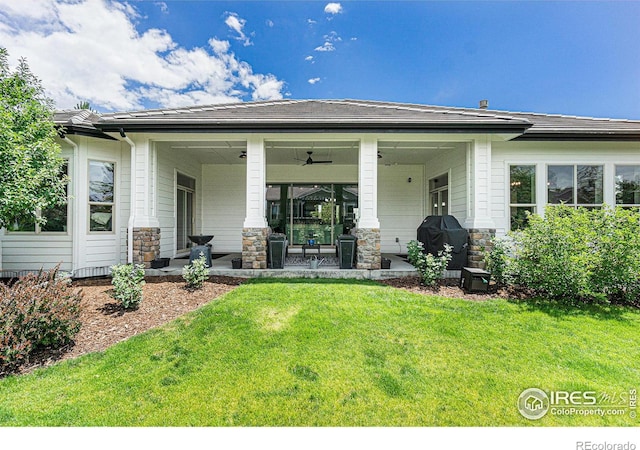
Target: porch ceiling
295,152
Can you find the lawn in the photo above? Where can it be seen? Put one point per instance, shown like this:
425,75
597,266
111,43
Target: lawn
339,353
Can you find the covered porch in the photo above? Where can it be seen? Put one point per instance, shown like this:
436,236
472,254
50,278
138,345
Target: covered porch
378,188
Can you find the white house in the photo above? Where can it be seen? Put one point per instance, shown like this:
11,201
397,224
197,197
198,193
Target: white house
142,181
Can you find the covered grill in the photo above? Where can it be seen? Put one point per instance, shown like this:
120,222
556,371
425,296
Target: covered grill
435,231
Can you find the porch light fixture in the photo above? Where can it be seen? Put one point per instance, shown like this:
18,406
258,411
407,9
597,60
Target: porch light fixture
243,154
379,155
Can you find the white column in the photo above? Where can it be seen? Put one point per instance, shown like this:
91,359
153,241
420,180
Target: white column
256,184
368,183
144,174
479,184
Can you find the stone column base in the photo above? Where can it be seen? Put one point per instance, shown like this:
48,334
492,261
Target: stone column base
479,242
368,254
254,248
146,245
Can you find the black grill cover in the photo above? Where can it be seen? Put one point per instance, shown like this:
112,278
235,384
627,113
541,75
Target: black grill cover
435,231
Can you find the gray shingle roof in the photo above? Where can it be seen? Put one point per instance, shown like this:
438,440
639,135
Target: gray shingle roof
79,121
356,115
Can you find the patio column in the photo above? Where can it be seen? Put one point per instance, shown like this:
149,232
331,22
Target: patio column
368,225
143,223
255,229
479,221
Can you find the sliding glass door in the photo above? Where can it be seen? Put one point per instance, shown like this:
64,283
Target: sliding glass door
185,193
312,211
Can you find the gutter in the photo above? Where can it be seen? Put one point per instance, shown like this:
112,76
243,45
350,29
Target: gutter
75,242
614,136
318,127
132,194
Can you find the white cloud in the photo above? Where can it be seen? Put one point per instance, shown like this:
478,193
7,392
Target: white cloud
91,49
269,23
333,37
309,58
329,40
163,7
326,47
311,21
333,8
236,23
313,80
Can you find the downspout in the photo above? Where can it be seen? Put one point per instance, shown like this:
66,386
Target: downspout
75,240
132,196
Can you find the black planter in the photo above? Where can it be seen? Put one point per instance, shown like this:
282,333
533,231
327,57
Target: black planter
236,263
159,263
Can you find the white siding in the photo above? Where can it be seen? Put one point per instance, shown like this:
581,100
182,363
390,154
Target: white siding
224,205
543,153
316,173
125,199
453,162
400,205
171,161
102,249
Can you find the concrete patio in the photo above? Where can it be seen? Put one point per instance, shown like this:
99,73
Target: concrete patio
222,266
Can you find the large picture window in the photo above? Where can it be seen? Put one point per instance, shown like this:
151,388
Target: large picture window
101,195
522,194
575,185
56,216
312,211
628,186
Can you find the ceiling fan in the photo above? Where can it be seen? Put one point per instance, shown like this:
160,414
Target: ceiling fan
310,161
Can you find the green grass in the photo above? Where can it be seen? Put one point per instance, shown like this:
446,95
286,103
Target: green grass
338,353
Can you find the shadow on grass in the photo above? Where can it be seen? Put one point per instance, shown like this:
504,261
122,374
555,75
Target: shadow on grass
560,309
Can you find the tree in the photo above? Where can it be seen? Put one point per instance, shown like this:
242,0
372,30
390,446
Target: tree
30,162
84,105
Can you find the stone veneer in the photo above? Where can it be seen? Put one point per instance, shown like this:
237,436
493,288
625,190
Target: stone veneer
146,245
479,242
368,254
254,248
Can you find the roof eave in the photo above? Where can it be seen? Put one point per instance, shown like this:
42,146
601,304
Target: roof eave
301,127
581,135
83,131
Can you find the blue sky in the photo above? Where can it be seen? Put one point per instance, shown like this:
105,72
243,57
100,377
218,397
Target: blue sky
578,58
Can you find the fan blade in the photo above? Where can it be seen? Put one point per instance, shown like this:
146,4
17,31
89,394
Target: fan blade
323,162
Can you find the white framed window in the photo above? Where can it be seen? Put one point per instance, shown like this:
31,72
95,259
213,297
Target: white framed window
627,185
522,194
439,195
575,185
57,217
101,196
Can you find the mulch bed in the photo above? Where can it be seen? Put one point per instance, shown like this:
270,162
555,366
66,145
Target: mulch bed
105,322
450,288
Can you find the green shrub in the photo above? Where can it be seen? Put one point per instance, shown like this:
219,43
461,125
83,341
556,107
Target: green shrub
39,310
499,259
616,270
127,281
196,273
573,254
430,267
